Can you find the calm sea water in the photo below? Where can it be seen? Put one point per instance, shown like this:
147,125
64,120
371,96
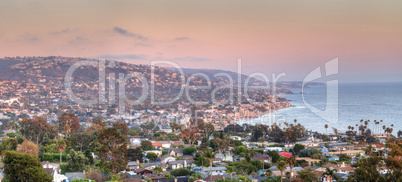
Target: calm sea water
356,101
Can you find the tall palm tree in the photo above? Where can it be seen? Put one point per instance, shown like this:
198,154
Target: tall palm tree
61,145
210,156
229,170
281,166
291,162
330,174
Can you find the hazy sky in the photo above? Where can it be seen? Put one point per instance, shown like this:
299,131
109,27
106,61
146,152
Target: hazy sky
293,37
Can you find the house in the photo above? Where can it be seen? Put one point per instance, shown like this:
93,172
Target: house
180,164
215,170
133,165
152,177
175,152
166,144
348,152
149,166
142,171
310,161
157,152
73,176
226,157
213,178
235,138
157,145
167,158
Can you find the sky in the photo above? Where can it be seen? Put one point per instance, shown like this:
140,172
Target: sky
271,37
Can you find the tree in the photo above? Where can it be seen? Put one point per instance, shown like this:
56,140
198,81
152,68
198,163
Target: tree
229,170
157,170
199,160
169,176
61,145
180,172
122,127
36,129
190,133
291,162
28,147
309,152
307,174
76,161
83,139
152,156
9,144
94,175
210,156
68,122
326,128
366,170
330,174
297,148
24,167
147,145
135,154
113,147
194,177
281,166
189,150
345,158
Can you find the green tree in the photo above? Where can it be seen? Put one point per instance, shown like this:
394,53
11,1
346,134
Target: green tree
147,145
152,156
134,154
181,172
189,150
157,170
307,174
113,147
297,148
61,145
194,177
199,160
9,144
366,170
76,161
210,156
281,166
330,174
24,167
229,170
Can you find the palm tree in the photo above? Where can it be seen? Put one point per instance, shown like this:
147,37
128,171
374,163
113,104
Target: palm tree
61,145
210,156
291,162
281,166
229,170
330,174
326,127
268,172
307,174
158,169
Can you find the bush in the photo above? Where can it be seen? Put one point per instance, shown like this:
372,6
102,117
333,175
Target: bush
189,150
181,172
55,157
309,152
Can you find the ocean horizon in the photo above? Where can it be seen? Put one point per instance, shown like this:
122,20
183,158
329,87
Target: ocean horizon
356,101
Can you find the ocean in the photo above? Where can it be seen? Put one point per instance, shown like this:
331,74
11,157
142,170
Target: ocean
356,101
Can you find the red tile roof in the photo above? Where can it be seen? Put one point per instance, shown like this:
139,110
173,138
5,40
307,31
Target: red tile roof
157,144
